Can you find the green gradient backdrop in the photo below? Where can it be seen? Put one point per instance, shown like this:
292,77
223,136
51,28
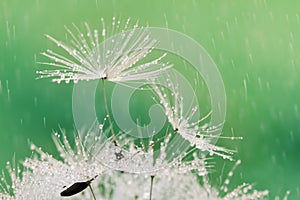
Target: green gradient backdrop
255,44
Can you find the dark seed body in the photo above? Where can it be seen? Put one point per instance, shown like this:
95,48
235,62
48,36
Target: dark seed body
75,188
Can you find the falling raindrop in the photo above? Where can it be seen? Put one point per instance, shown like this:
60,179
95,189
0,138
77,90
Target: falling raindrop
35,101
292,136
296,111
250,58
228,27
213,43
8,91
44,122
245,89
8,31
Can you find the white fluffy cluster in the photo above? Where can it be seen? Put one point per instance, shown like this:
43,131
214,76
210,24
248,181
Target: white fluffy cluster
45,177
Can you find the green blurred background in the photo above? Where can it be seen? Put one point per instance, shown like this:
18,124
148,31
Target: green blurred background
255,44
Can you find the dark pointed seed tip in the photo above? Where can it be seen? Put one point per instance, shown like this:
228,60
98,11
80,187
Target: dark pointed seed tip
75,188
115,143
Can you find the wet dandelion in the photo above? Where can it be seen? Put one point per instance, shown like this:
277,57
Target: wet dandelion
117,58
184,120
114,59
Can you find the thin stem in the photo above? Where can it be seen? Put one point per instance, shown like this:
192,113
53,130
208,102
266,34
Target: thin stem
151,187
94,197
107,113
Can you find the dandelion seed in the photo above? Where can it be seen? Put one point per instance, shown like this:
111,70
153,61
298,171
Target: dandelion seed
78,187
114,59
184,120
